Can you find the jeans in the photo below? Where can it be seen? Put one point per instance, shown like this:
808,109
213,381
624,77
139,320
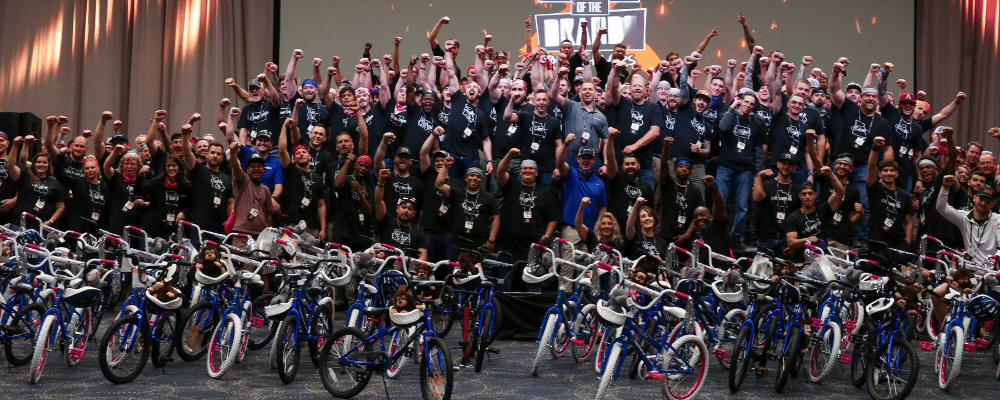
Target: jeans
544,179
857,178
436,243
461,165
905,181
646,175
740,183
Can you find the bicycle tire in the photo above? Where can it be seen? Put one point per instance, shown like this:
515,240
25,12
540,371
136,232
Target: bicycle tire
607,336
560,340
636,362
287,358
126,338
948,371
20,344
906,355
436,365
828,346
398,340
225,345
864,347
47,336
196,331
787,362
484,343
497,321
263,328
740,358
441,321
246,318
773,323
319,331
545,342
75,342
726,341
682,358
163,338
584,325
610,368
333,374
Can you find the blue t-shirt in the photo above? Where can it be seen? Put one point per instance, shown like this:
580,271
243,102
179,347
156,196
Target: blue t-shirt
272,168
575,188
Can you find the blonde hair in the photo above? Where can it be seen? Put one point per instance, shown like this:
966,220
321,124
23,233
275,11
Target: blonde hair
616,231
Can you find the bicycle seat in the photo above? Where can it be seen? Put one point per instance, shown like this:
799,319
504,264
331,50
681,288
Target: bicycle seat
372,311
51,280
277,308
82,297
405,319
23,288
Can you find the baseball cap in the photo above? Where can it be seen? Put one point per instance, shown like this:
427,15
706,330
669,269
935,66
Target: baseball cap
747,90
813,82
819,90
253,83
703,93
441,153
404,151
987,192
501,54
853,85
663,84
120,136
262,134
908,97
674,92
409,200
587,151
787,157
579,78
869,90
255,158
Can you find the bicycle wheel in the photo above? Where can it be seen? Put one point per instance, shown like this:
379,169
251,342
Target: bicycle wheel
224,347
436,372
892,371
787,361
497,321
77,332
949,360
607,335
546,341
486,331
341,377
739,359
195,331
772,323
322,324
355,319
246,317
441,320
163,337
636,362
934,324
610,368
47,337
824,352
560,340
585,329
287,357
124,350
686,367
20,344
864,346
725,334
396,345
262,329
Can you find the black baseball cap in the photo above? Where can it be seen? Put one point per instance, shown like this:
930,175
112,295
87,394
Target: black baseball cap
409,200
404,151
787,157
587,151
255,158
120,136
987,192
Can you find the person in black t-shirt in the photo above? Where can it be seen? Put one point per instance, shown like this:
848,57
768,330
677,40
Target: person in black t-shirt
400,228
38,191
777,199
679,197
706,226
128,201
401,182
475,215
260,115
809,224
348,221
623,187
891,212
319,158
435,219
305,196
530,213
740,133
541,133
215,200
640,231
638,120
930,221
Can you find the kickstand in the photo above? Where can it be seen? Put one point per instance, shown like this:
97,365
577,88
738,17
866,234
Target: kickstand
386,387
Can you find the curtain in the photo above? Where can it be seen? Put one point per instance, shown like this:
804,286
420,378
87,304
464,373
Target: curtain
130,57
957,50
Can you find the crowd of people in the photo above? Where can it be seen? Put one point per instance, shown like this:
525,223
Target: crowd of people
433,157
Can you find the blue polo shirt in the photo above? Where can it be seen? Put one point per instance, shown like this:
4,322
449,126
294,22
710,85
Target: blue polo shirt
272,168
576,186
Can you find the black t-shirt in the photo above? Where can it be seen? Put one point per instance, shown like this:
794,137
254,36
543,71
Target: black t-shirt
788,135
302,193
320,160
411,128
336,120
907,138
634,121
466,128
678,204
375,119
930,220
538,141
839,227
690,127
888,211
738,144
436,216
622,195
642,244
350,223
782,199
207,212
526,214
310,114
471,216
507,135
396,187
37,198
119,214
8,189
164,205
88,201
812,224
258,117
716,235
858,130
392,233
765,113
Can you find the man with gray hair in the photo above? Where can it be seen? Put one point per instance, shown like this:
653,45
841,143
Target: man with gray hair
529,215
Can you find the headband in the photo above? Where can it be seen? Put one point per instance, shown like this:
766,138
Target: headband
846,160
309,82
682,161
927,161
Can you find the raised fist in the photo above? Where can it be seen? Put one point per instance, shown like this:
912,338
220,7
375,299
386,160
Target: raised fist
331,71
87,133
758,50
398,40
709,180
51,120
527,23
668,141
901,83
571,137
388,138
950,180
994,131
336,61
696,55
234,111
503,68
225,102
297,53
194,118
602,31
888,67
223,126
844,61
695,74
230,81
959,98
825,171
807,60
514,152
731,63
811,134
445,20
106,116
261,78
947,132
878,142
875,68
186,129
234,145
838,68
368,46
614,132
765,173
160,115
300,102
425,57
117,124
317,62
383,174
585,201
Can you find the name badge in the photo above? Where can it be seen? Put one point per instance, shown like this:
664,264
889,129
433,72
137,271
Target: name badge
302,225
887,224
902,151
171,217
468,132
511,129
128,206
858,142
635,127
534,146
740,146
217,200
629,211
254,213
585,135
361,217
793,150
305,202
681,220
95,216
527,216
40,204
837,217
468,226
443,209
780,217
310,128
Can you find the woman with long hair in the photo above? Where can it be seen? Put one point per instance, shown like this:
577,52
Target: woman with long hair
168,196
38,191
641,229
91,194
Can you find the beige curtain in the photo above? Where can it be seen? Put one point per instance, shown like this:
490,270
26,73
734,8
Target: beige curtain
957,50
131,57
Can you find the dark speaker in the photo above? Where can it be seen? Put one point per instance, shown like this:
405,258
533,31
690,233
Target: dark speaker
31,125
10,122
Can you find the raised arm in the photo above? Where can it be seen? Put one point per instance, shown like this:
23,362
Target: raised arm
99,134
609,154
379,201
837,95
386,92
746,33
494,86
449,64
109,163
53,124
948,110
614,84
633,215
527,35
502,175
441,182
758,184
380,151
12,154
283,143
561,154
155,128
427,148
345,170
189,158
838,188
242,93
290,74
719,204
432,38
508,112
952,158
877,145
581,228
704,43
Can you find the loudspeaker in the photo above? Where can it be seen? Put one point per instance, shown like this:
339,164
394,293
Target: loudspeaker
31,125
10,122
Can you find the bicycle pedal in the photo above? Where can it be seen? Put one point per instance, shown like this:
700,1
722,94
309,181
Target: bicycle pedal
656,375
721,354
493,350
760,372
845,358
850,325
578,342
982,343
257,322
462,343
969,347
167,359
926,346
816,323
77,354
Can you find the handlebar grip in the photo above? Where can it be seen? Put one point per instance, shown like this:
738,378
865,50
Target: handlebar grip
242,235
682,250
181,246
454,264
187,223
932,259
812,247
30,215
948,253
681,295
134,229
561,240
281,242
33,246
335,245
107,261
604,246
389,246
211,243
700,243
287,231
932,238
113,239
603,265
541,246
175,257
4,237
